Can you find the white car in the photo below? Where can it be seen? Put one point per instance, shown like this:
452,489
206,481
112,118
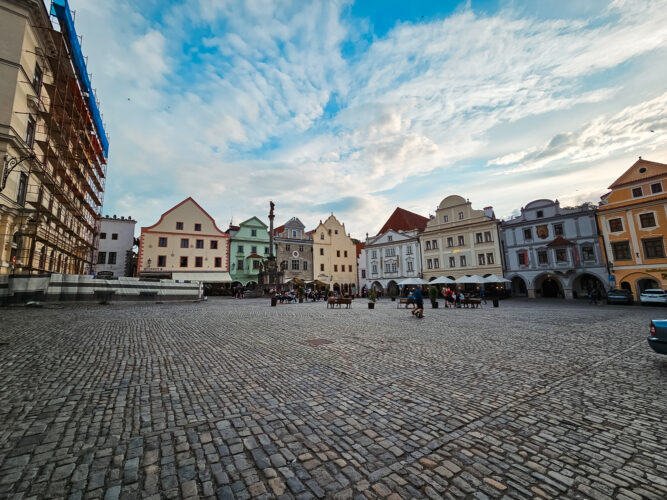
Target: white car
653,296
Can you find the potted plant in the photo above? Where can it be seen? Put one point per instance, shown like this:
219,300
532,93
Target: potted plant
372,298
301,292
433,295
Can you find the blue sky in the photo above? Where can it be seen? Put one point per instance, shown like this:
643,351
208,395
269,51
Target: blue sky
359,107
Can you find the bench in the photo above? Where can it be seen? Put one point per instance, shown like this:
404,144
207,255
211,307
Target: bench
333,302
474,303
405,300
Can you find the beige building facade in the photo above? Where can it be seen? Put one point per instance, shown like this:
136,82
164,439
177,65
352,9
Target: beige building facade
185,244
53,146
334,256
460,241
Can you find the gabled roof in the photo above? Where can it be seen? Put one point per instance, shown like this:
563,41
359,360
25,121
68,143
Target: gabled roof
278,230
404,220
188,199
559,241
633,174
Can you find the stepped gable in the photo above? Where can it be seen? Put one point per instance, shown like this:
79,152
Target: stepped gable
404,220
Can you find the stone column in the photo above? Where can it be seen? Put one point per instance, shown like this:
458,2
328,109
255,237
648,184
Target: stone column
531,293
568,293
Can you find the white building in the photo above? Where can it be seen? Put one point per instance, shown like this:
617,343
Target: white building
553,252
394,253
116,240
361,266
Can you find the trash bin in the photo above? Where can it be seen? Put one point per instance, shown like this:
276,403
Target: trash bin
274,301
495,302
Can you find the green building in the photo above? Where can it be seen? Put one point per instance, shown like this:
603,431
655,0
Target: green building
249,247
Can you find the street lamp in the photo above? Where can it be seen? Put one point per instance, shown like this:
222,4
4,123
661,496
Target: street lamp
10,164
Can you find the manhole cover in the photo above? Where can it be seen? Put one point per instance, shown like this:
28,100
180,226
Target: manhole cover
316,342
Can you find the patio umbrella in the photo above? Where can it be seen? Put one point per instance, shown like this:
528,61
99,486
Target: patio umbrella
474,279
413,281
496,279
442,280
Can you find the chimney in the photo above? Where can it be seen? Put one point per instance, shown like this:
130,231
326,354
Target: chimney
488,211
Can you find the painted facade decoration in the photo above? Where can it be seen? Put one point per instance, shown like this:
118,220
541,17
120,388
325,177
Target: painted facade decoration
552,251
334,256
294,250
249,249
632,218
460,241
185,244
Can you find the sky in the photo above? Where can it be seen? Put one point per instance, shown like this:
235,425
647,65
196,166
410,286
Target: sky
357,107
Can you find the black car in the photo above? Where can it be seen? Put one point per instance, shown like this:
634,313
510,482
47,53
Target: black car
619,297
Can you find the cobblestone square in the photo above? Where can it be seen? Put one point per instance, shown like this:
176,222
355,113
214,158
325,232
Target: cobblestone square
229,399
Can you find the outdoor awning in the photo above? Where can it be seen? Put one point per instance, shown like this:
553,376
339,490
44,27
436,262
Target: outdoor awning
442,280
220,277
496,279
413,281
473,280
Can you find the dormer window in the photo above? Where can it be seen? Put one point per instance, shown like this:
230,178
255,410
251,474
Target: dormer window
460,215
637,192
390,238
540,213
445,218
656,188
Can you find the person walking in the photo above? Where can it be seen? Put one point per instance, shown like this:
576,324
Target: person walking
481,295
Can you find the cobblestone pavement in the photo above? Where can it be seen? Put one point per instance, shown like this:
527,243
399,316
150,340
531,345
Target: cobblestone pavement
229,399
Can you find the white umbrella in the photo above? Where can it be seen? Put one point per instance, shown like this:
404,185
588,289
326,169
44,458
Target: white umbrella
474,279
442,280
496,279
413,281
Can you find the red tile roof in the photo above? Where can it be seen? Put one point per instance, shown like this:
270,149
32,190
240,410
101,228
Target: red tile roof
404,220
360,247
278,230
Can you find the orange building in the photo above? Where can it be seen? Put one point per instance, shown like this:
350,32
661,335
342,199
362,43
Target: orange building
633,219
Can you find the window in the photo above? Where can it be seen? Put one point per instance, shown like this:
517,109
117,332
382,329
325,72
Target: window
336,231
561,255
161,261
410,266
653,248
179,225
293,233
461,241
637,192
103,236
375,268
322,237
489,258
102,258
239,249
200,243
390,238
185,243
452,262
197,227
345,253
266,250
460,215
387,267
450,242
522,258
335,268
374,255
434,243
647,220
487,236
305,265
656,188
30,131
542,257
445,218
239,265
429,263
558,229
23,189
295,265
408,250
253,249
287,248
253,232
322,268
37,79
300,249
479,238
162,242
114,236
363,274
436,263
218,262
615,225
480,259
540,213
337,253
112,257
255,264
322,252
527,234
428,245
621,250
463,261
184,262
587,253
214,244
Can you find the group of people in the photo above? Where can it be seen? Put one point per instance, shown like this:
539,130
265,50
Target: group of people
292,295
239,292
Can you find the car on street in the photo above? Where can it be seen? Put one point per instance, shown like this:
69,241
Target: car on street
658,336
653,296
620,297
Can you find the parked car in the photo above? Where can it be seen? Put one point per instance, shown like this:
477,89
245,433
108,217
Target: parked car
620,297
658,337
653,296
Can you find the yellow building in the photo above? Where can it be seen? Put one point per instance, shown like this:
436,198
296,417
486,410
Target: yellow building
334,256
632,219
460,241
185,244
53,146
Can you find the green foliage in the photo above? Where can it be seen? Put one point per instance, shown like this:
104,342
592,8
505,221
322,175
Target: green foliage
372,296
433,293
301,292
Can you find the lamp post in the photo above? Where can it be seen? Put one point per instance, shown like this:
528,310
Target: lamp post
10,164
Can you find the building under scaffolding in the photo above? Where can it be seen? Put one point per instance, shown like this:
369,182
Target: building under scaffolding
52,143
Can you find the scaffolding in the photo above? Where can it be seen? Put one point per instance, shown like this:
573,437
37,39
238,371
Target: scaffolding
60,217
